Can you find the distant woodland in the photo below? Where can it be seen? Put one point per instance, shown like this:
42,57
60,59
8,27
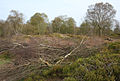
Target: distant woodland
100,20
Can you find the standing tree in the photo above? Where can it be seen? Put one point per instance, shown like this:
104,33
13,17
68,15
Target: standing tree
2,27
28,29
56,24
71,24
100,16
117,27
40,22
64,25
14,22
84,28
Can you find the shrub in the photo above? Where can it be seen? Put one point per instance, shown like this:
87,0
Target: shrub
46,73
100,67
58,35
54,71
90,76
114,47
29,79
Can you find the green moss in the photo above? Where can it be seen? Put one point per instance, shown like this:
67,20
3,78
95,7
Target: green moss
4,61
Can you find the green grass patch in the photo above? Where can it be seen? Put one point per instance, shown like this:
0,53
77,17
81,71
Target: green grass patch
5,57
4,61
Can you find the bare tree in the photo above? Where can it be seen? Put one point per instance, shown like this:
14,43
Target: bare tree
100,16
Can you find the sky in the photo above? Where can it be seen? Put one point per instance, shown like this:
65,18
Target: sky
53,8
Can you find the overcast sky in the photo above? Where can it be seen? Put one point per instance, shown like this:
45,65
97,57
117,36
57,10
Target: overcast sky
53,8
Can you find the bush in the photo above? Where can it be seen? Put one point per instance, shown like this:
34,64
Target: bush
46,73
29,79
100,67
54,71
114,47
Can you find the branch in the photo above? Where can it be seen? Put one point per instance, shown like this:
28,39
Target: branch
58,62
48,64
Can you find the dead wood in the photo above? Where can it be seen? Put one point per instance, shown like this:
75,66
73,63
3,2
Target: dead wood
82,41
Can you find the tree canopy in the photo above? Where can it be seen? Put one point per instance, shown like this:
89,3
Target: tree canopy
100,16
40,21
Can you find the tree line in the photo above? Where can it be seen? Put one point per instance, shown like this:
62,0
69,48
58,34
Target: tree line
99,21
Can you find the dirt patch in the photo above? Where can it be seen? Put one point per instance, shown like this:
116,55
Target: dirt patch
94,42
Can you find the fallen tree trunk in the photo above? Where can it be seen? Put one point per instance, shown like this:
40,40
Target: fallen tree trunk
82,41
